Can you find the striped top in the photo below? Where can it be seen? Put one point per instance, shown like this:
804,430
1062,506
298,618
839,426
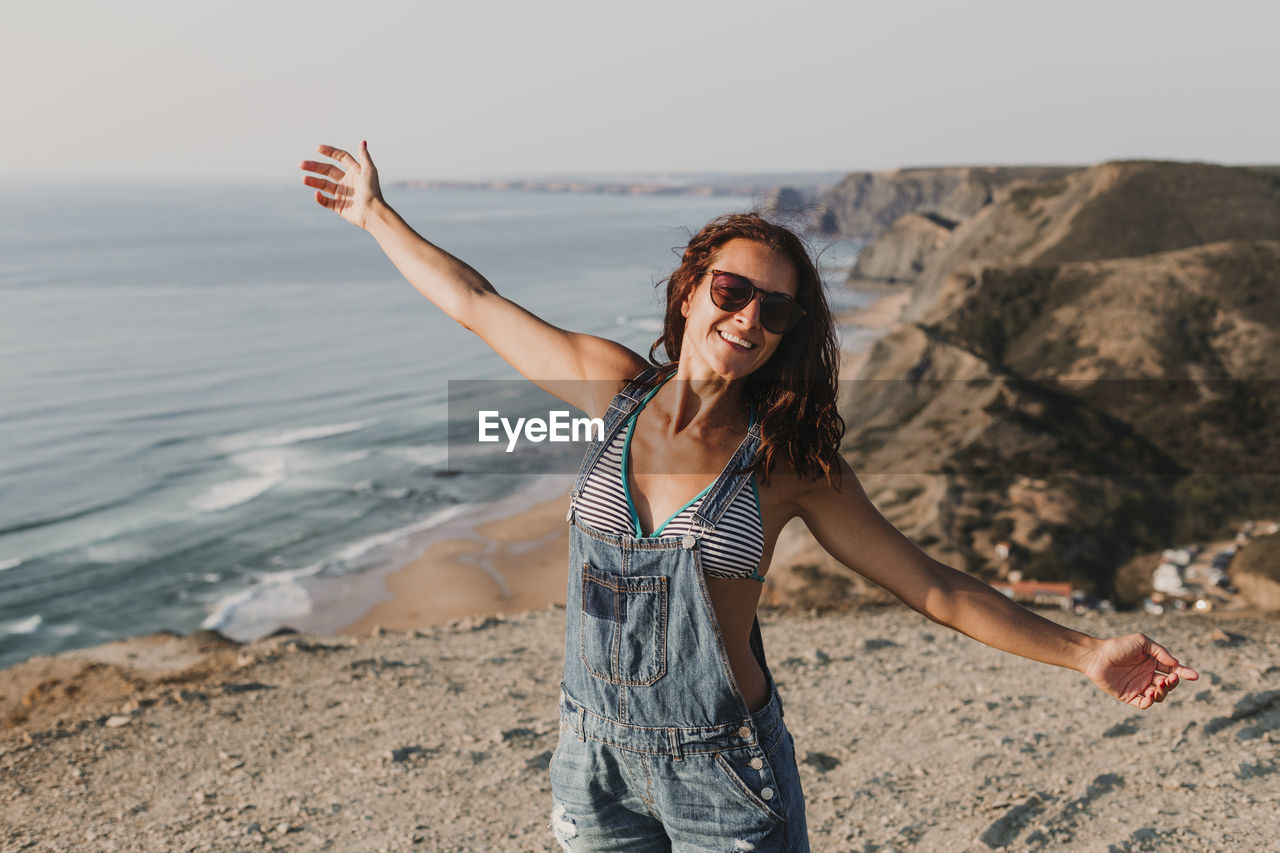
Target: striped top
732,550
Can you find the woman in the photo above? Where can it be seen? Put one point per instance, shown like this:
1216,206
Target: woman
671,730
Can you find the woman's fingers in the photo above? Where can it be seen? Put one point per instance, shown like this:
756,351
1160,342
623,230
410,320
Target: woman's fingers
1168,663
321,184
324,201
338,154
327,169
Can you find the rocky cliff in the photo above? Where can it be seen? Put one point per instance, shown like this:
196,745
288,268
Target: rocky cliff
1086,372
865,204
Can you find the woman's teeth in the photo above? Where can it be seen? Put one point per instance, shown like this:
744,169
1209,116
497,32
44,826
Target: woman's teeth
734,339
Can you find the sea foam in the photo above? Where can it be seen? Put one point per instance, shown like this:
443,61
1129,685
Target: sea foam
256,438
23,626
223,496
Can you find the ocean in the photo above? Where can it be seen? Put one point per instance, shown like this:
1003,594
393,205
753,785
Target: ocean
209,396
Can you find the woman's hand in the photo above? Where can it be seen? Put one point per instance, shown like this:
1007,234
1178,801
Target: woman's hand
1135,669
352,193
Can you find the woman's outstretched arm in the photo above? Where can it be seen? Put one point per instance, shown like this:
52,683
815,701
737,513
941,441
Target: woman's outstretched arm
1133,668
556,359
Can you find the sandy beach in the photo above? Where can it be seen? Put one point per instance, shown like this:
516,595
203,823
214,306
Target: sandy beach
509,564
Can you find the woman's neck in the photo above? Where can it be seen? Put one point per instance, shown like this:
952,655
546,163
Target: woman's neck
702,402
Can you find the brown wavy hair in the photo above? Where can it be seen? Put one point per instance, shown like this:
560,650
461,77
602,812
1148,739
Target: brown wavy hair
794,393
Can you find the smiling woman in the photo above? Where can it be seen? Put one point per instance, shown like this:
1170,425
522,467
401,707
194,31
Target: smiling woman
672,735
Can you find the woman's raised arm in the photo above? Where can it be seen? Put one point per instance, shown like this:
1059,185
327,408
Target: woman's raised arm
1133,668
556,359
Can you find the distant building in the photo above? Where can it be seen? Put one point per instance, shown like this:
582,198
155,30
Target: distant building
1040,593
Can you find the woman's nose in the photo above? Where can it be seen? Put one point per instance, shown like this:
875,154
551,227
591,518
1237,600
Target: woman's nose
750,313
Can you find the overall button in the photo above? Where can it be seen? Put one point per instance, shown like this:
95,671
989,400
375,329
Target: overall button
766,793
744,732
756,764
688,541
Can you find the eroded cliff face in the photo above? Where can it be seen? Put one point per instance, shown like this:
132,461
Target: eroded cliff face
900,255
865,204
1085,371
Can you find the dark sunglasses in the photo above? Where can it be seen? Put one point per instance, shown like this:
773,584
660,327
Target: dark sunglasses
779,313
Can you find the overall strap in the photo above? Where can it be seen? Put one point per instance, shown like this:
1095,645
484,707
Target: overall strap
735,476
620,408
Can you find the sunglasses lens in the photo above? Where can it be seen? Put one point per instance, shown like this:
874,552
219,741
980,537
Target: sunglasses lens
730,292
779,314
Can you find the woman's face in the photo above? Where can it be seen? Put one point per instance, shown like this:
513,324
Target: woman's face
733,344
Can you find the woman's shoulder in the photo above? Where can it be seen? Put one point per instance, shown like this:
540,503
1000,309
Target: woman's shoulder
608,371
787,487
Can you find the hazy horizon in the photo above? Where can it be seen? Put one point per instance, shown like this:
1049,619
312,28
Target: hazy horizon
150,93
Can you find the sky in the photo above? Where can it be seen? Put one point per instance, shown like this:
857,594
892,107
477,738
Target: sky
165,92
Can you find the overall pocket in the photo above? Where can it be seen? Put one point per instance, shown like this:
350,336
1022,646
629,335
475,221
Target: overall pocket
623,633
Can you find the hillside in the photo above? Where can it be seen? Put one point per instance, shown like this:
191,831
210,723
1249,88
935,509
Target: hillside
1086,372
865,204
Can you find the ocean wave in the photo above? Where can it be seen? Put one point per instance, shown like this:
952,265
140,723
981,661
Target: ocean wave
424,455
23,626
273,461
349,555
117,552
37,523
267,604
644,324
256,438
231,493
13,563
274,599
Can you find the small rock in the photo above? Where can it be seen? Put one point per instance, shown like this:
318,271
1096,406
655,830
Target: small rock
1226,639
376,631
819,657
115,721
1007,826
516,736
244,687
821,761
1127,727
284,828
877,643
404,753
1252,771
541,761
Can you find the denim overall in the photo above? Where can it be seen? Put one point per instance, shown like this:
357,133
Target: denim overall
658,749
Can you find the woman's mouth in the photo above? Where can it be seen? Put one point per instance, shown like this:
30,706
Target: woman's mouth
736,342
